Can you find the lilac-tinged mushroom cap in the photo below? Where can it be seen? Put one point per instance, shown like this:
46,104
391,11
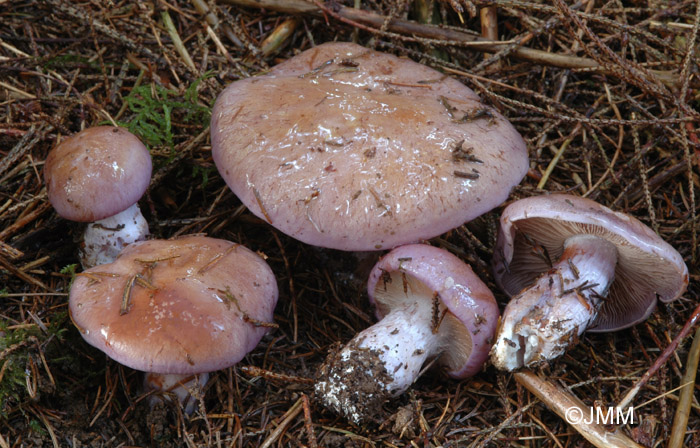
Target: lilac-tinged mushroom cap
97,173
647,267
352,149
472,315
183,306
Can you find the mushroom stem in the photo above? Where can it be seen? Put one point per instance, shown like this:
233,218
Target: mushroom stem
544,319
104,239
380,362
577,414
166,385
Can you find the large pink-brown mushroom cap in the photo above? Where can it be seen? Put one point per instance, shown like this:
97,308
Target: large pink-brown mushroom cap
647,267
473,313
193,304
97,173
352,149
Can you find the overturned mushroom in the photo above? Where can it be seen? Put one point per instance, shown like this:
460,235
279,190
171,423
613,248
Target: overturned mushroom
574,265
97,176
176,309
348,148
429,305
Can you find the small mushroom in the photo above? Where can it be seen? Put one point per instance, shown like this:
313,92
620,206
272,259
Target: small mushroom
352,149
97,176
571,265
176,308
429,305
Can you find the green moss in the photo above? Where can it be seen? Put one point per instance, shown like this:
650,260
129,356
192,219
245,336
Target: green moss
69,270
153,108
36,427
203,172
17,345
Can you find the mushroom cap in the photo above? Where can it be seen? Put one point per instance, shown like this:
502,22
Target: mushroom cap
352,149
473,312
197,306
97,173
647,266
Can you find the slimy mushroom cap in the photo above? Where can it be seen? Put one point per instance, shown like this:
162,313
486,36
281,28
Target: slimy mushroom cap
353,149
184,306
97,173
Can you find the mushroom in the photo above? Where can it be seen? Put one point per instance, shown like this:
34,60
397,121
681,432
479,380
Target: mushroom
176,308
97,176
573,264
348,148
430,305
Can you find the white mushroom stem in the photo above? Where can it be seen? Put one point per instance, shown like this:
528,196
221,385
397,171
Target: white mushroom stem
543,320
403,340
380,362
104,239
165,386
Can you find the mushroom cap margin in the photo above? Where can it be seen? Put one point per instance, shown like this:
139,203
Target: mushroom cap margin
97,173
647,265
352,149
191,315
462,292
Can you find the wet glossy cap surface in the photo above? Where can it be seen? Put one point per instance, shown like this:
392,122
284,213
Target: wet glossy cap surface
97,173
469,301
647,266
195,304
349,148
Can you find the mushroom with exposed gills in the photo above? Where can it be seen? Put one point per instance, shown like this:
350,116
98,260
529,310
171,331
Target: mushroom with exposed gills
352,149
430,305
176,309
573,265
97,176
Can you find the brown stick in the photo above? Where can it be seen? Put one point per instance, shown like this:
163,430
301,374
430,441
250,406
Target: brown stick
213,21
278,37
489,22
6,264
308,424
287,419
8,251
563,402
685,397
444,35
26,219
489,26
661,360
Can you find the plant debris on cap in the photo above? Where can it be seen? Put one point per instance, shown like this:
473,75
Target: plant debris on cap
188,305
97,173
532,234
348,148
